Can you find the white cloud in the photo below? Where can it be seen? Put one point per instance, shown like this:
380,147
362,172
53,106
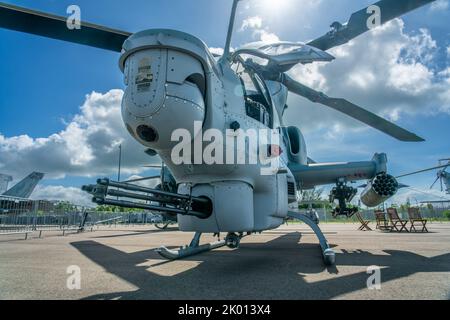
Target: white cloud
251,23
217,51
255,23
421,47
267,37
290,9
439,5
88,146
412,79
60,193
75,195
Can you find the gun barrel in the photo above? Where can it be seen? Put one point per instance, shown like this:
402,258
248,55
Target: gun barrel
130,204
161,201
133,187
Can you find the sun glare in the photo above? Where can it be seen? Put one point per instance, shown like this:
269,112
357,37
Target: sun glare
274,6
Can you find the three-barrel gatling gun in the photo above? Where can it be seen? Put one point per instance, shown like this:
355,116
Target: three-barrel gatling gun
127,195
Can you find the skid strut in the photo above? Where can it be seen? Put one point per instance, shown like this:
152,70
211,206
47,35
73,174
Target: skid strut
329,256
190,250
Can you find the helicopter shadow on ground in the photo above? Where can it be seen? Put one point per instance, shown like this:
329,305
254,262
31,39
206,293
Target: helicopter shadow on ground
136,233
303,232
273,270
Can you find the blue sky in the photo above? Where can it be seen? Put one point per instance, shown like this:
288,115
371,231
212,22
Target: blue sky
45,81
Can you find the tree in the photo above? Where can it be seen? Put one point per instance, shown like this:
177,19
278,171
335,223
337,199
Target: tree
446,214
65,206
106,208
311,196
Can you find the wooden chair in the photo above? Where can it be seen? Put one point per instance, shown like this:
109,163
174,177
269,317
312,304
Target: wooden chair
364,223
415,217
396,222
382,223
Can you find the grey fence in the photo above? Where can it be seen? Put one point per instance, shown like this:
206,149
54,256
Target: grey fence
18,215
426,212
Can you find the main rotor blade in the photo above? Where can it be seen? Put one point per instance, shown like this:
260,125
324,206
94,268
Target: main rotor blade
351,110
421,171
55,27
358,23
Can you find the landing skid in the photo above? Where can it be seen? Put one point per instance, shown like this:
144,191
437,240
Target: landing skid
329,256
195,248
162,225
190,250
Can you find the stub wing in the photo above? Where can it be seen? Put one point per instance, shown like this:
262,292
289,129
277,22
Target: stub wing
317,174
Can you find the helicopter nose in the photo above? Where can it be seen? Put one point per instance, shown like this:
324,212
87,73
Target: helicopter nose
163,93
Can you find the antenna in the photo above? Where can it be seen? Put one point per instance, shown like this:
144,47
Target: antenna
226,51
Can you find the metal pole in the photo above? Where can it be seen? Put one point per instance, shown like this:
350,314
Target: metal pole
120,163
162,175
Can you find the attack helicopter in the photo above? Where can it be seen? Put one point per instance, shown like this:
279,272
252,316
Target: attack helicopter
179,96
441,175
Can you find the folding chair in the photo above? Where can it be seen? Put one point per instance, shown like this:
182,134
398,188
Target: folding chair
396,222
382,223
415,217
364,223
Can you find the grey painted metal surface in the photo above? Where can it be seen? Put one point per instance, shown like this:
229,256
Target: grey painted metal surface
329,256
192,249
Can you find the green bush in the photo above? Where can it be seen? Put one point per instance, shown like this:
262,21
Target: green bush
446,214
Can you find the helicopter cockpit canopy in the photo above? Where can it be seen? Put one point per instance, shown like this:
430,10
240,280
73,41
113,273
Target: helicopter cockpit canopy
258,102
282,56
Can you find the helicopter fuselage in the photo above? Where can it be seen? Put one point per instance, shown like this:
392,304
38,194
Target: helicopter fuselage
178,97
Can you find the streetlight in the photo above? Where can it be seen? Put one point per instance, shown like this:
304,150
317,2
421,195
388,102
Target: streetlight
120,161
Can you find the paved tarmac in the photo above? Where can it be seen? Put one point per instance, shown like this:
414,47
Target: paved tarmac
120,263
